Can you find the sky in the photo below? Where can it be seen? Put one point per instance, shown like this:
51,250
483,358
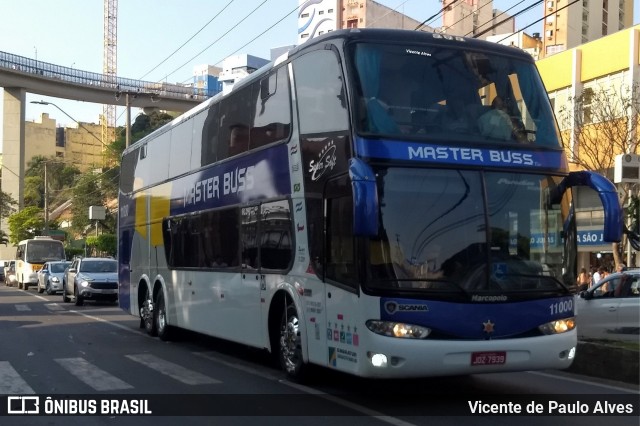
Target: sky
70,33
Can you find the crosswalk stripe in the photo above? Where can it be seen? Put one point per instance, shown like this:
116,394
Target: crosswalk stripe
93,376
10,381
22,308
54,307
173,370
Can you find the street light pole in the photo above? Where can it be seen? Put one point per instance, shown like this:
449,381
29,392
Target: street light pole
128,129
46,202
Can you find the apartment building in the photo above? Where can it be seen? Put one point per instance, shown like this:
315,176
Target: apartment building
611,63
568,24
319,17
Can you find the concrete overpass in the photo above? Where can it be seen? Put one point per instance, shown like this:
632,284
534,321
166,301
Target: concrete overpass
20,75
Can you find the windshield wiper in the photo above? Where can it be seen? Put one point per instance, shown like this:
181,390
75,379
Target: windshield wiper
553,279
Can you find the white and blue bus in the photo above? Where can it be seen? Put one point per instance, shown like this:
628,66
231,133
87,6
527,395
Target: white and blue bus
380,202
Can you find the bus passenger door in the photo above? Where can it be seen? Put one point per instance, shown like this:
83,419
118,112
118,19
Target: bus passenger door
243,305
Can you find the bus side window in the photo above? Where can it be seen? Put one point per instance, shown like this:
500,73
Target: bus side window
276,250
340,242
320,93
272,109
234,124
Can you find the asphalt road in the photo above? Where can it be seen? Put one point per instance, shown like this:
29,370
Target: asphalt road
97,352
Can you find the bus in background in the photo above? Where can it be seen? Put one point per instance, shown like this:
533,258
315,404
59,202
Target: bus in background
32,254
364,203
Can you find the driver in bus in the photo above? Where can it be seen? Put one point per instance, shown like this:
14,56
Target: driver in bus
496,123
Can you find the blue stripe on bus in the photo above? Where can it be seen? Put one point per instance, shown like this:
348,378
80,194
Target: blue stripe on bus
445,154
263,174
473,320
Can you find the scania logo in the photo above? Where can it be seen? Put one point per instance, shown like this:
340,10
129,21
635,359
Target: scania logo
393,307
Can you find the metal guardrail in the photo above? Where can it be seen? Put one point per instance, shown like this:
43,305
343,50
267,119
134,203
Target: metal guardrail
31,66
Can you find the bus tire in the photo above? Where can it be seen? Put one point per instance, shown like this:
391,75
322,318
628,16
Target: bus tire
160,318
290,346
147,314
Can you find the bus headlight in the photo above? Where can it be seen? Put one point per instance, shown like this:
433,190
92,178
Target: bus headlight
558,326
398,329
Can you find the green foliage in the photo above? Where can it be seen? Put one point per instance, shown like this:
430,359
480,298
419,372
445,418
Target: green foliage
71,252
7,204
27,223
103,244
633,212
86,193
60,176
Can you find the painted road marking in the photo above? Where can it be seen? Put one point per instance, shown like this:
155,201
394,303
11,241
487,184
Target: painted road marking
93,376
173,370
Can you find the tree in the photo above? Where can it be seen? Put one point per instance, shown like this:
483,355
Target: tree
60,176
103,244
86,193
25,224
7,207
605,123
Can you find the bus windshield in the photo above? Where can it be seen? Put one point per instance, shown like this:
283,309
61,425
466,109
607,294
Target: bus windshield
450,94
43,251
456,231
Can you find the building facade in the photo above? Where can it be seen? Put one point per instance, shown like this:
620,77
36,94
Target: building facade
611,63
237,67
206,80
319,17
568,24
475,18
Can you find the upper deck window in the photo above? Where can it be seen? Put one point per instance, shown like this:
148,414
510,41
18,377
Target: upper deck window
450,94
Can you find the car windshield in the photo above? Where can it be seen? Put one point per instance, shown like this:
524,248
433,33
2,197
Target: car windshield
455,231
450,94
58,267
99,266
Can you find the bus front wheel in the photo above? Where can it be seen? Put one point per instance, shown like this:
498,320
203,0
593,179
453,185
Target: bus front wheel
290,349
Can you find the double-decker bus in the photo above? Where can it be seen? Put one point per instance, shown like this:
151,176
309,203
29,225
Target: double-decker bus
380,202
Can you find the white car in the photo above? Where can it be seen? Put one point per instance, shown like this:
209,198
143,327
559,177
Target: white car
611,309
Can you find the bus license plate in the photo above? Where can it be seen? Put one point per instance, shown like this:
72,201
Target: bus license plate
488,358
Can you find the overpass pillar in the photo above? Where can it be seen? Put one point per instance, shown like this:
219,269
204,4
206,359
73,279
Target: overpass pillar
13,144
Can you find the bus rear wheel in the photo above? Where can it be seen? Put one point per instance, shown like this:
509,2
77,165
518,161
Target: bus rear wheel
147,315
160,318
290,350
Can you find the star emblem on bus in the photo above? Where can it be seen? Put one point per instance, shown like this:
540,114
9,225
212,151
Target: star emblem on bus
488,326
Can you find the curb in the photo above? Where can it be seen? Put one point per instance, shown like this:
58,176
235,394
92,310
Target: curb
607,362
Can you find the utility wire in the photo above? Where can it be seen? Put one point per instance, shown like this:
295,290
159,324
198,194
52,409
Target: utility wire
218,39
497,24
395,9
484,5
190,38
253,39
436,15
541,19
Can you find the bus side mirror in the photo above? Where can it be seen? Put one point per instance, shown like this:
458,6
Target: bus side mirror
365,199
613,224
634,238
